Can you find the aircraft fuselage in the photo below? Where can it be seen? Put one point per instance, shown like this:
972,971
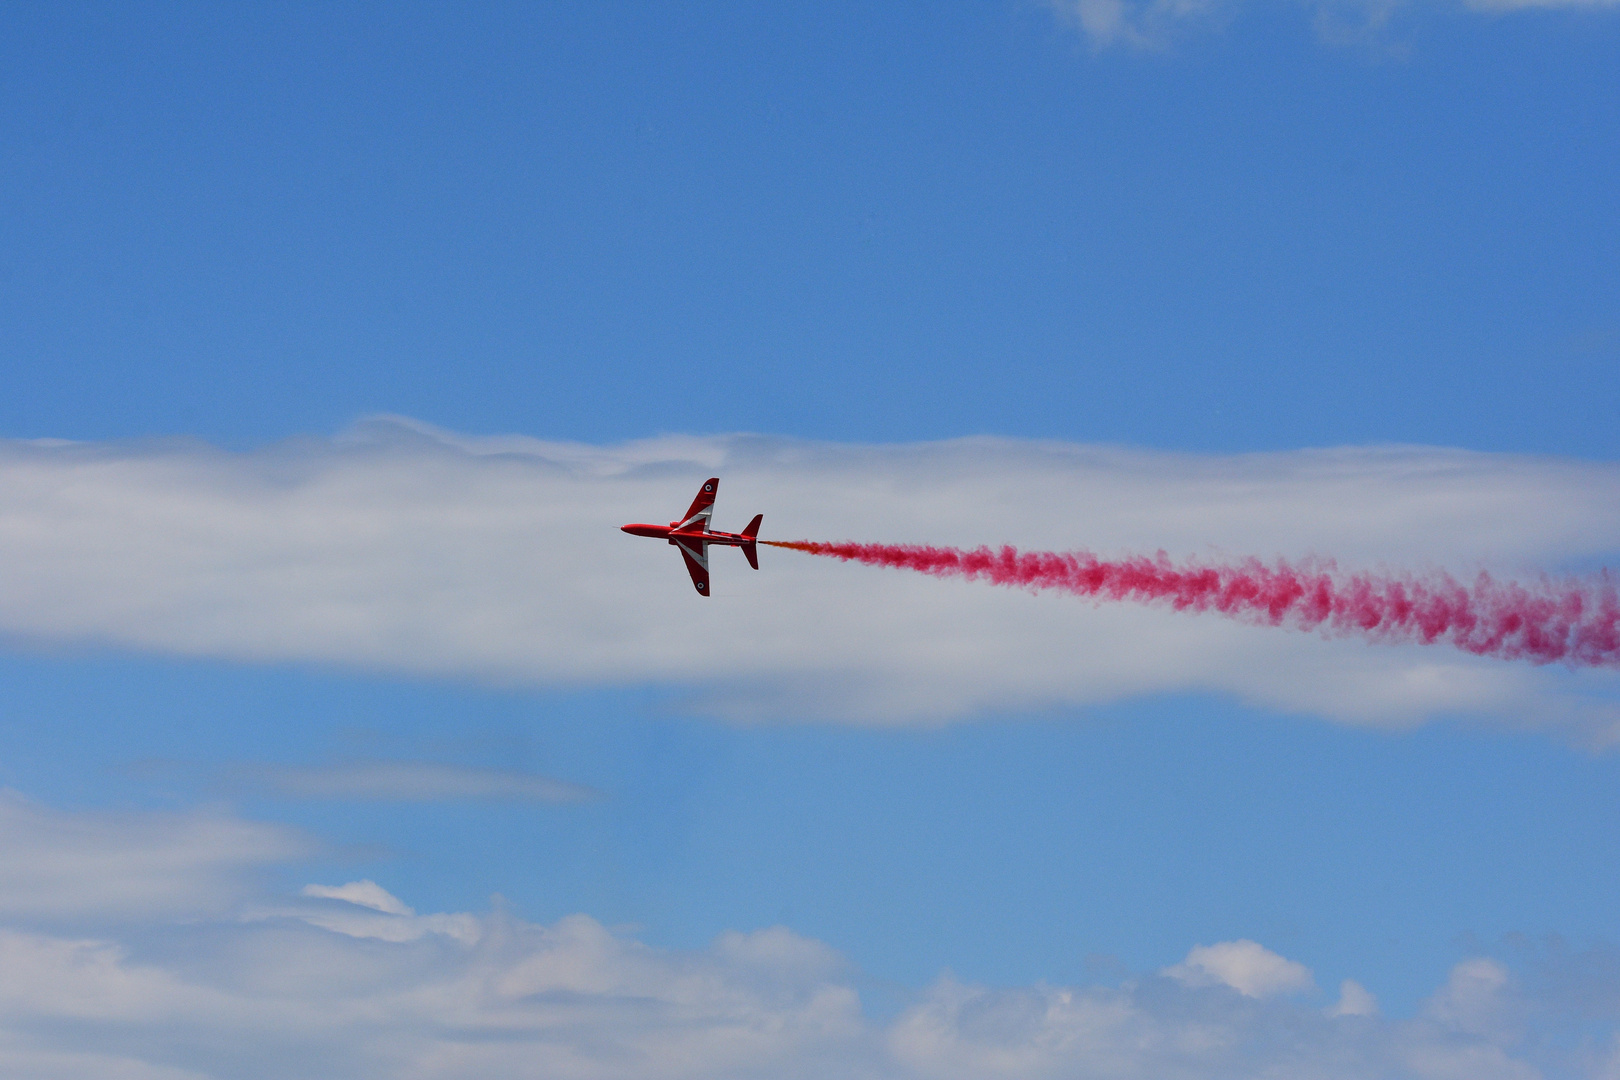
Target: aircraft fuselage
675,535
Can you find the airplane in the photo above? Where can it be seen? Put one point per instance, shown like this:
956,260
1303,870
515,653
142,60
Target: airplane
692,536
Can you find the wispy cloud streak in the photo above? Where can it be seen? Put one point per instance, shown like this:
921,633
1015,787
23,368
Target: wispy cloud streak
1154,25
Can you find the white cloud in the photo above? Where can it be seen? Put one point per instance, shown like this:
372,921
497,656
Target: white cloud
280,994
402,549
58,866
1354,1000
41,1064
1520,5
381,914
1246,966
366,893
1474,999
1155,24
408,781
348,981
1145,24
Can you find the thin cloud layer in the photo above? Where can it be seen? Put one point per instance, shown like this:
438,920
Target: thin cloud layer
71,867
1155,24
407,781
402,549
1144,24
1519,5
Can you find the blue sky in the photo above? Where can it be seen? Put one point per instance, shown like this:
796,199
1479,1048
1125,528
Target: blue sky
1214,278
870,224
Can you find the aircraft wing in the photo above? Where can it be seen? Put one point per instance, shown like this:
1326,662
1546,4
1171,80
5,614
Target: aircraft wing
702,508
696,555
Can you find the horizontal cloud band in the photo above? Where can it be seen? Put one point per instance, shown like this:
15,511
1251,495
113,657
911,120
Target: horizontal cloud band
399,548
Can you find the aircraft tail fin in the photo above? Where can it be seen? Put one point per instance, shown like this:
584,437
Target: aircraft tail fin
750,549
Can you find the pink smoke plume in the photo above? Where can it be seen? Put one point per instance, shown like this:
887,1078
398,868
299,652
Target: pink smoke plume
1576,621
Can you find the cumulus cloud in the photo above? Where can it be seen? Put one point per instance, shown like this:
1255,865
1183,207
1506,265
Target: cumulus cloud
1354,1000
294,993
1151,1028
1246,966
1474,1000
347,980
378,991
400,548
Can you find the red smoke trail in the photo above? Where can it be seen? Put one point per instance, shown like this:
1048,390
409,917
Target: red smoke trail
1574,621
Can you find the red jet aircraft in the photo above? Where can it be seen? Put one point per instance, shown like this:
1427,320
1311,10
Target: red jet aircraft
692,536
